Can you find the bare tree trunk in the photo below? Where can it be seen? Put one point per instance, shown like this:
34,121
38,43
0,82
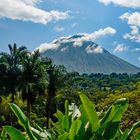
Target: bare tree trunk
48,111
28,103
12,101
50,98
28,108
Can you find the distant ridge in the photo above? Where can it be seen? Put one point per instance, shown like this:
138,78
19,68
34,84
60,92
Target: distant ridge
85,56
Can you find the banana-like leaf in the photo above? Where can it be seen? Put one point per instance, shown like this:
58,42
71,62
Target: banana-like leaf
91,112
13,133
108,115
64,136
120,106
106,119
66,108
83,116
74,129
66,123
23,120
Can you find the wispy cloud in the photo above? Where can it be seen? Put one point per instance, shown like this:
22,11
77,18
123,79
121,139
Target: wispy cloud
139,58
77,41
27,10
134,35
59,28
47,46
133,20
124,3
95,35
120,48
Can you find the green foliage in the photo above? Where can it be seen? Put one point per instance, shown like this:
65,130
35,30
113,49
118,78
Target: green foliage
31,77
91,113
84,124
132,114
88,126
23,120
81,124
31,133
13,133
10,71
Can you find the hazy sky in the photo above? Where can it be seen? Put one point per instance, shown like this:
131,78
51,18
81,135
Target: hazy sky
113,24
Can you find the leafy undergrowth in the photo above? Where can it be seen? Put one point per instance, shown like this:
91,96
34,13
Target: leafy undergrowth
75,123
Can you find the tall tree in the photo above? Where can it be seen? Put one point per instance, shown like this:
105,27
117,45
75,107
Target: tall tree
56,76
10,69
33,72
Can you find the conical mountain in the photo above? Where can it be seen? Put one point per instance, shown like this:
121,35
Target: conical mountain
78,54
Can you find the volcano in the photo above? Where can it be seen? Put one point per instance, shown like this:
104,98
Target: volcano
80,55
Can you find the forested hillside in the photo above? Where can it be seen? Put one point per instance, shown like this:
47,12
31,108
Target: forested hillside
40,88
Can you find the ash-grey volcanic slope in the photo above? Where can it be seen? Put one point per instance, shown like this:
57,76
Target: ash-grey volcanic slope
87,57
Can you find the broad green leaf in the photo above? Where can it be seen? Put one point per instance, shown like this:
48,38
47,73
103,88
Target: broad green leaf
108,115
120,106
66,123
83,116
66,108
13,133
23,120
79,124
106,119
74,129
81,132
91,112
64,136
111,130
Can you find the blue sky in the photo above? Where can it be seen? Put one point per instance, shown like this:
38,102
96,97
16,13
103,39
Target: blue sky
113,24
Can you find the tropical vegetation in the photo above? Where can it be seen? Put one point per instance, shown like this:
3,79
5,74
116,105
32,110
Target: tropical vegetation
57,104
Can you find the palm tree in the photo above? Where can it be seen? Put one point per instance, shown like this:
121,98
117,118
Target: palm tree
10,69
56,76
33,72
